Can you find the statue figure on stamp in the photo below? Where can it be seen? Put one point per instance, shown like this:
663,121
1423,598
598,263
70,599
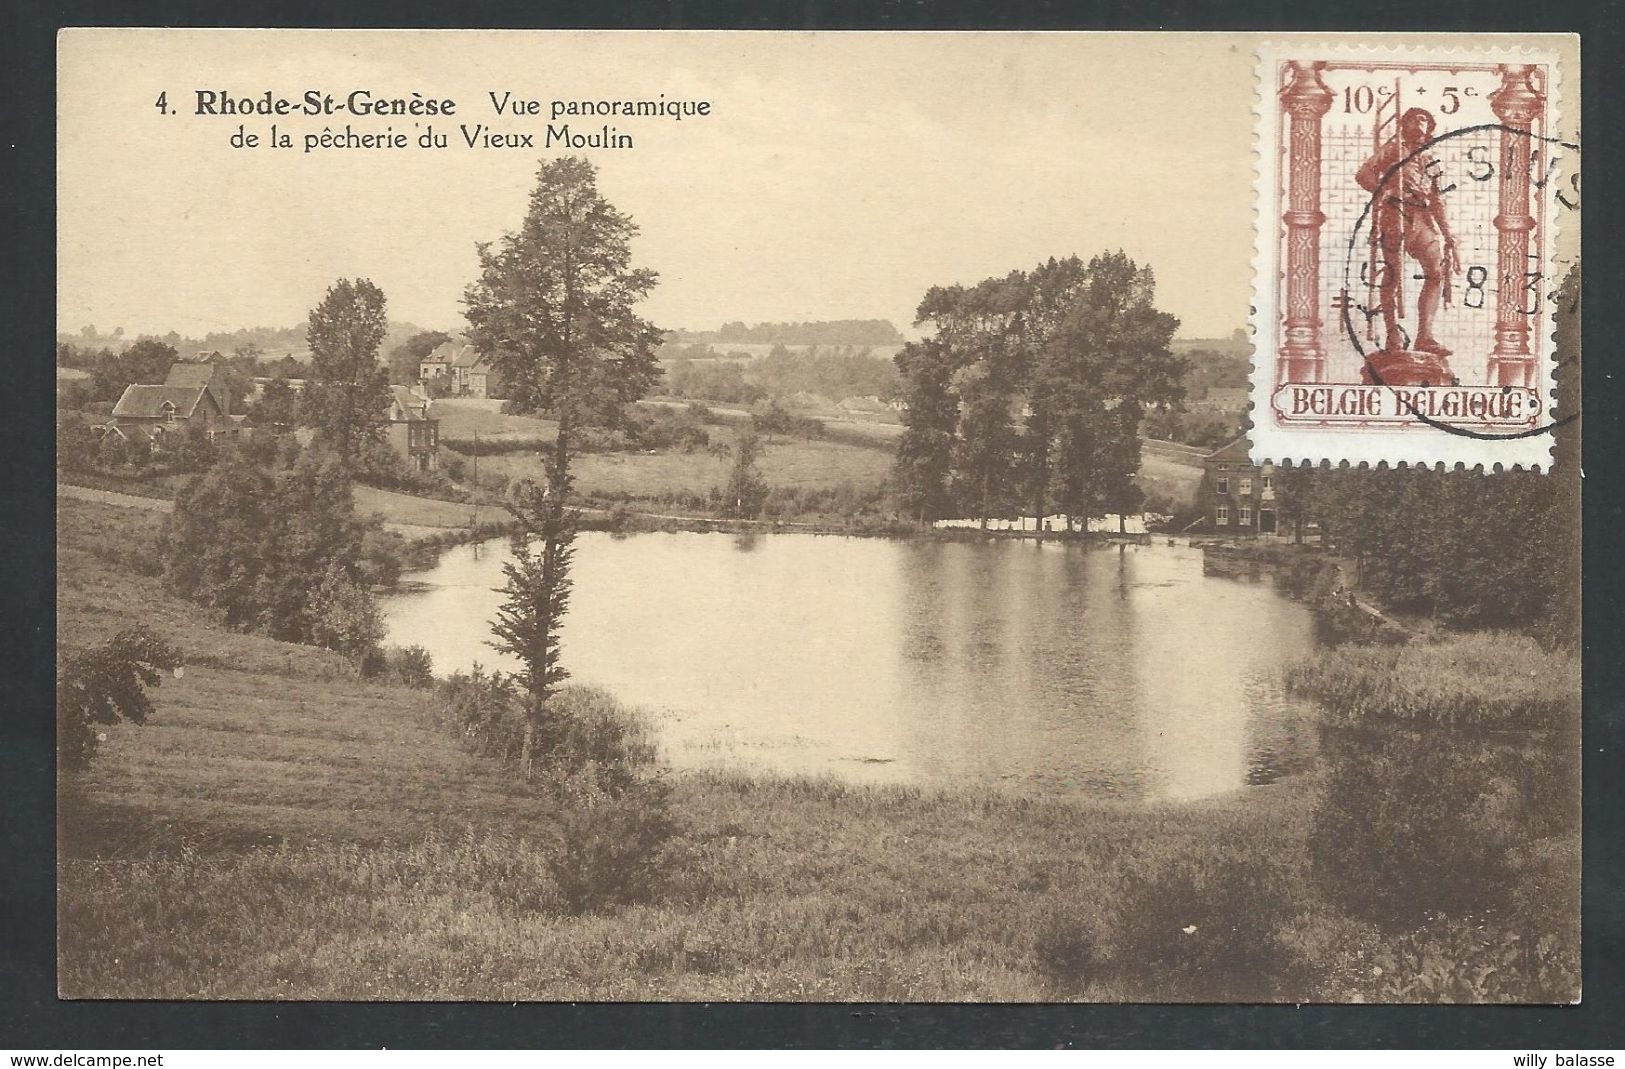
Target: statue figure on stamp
1408,218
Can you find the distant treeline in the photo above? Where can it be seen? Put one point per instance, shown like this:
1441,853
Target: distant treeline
703,373
253,341
821,332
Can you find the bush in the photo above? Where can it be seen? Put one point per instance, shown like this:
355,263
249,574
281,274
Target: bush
614,848
104,685
410,666
489,447
1204,927
776,419
1416,822
668,429
596,757
344,617
76,443
1443,762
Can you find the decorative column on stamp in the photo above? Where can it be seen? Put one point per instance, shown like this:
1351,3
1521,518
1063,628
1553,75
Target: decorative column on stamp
1306,98
1516,104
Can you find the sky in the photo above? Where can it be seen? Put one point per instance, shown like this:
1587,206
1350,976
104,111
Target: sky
838,175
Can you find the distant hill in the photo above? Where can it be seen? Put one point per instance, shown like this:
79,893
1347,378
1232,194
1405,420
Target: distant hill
271,342
1231,346
1215,364
856,332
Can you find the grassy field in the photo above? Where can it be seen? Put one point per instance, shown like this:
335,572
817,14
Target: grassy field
411,510
652,476
464,417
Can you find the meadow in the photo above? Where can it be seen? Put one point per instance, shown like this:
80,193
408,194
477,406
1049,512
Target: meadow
282,828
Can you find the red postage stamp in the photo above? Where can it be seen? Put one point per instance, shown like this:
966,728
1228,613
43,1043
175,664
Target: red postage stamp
1407,209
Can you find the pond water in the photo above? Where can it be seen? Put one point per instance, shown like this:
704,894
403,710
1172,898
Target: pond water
1101,670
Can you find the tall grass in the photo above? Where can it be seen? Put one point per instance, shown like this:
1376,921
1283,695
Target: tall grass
1446,763
1484,679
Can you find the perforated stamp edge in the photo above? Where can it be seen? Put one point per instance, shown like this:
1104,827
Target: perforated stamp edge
1414,445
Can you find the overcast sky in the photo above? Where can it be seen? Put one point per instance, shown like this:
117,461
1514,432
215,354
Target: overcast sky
838,175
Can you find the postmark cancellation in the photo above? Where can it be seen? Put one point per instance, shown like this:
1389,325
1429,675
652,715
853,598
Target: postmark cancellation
1406,272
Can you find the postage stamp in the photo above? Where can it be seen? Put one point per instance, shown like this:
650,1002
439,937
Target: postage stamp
1405,276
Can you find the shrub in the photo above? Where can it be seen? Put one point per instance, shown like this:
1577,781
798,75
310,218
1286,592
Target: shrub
487,447
1443,760
410,666
344,617
614,848
1205,926
104,685
75,443
482,709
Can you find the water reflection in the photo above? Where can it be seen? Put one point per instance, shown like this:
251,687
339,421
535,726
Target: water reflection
1118,671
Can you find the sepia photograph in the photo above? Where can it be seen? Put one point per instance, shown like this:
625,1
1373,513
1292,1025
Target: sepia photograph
818,517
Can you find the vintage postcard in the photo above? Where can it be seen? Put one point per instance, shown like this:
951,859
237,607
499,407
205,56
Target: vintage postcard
1409,202
817,517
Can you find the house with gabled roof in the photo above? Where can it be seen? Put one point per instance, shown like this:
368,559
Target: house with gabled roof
188,398
437,365
410,430
462,369
188,374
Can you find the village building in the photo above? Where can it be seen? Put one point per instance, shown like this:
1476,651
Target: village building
461,370
1238,496
193,395
411,431
436,367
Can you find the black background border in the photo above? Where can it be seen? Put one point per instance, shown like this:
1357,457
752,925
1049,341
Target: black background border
32,1017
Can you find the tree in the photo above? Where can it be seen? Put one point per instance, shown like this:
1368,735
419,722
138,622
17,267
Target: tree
930,419
146,361
553,312
746,489
75,443
278,405
103,685
348,389
406,359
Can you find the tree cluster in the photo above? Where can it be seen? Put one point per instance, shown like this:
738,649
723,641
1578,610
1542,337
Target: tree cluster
1469,548
1029,391
275,550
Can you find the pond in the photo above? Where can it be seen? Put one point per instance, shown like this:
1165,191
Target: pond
1101,670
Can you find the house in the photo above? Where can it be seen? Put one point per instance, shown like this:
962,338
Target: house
437,365
186,374
410,430
482,380
1238,495
462,370
193,395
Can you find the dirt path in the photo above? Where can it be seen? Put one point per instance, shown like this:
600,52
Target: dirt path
164,504
108,497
